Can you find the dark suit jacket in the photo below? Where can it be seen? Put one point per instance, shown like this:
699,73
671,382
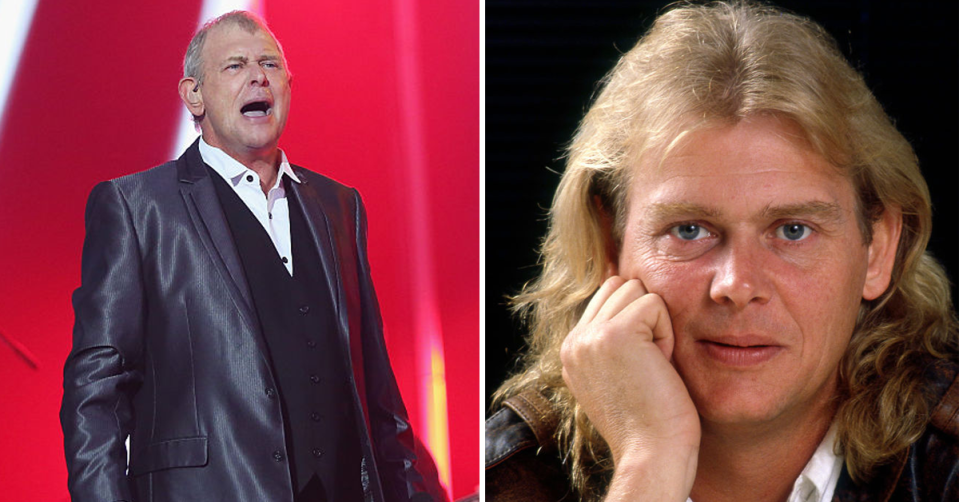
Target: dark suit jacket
167,348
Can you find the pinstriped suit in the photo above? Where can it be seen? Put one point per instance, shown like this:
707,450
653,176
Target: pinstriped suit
167,349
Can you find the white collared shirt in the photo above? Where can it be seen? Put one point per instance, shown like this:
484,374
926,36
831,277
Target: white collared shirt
817,481
271,210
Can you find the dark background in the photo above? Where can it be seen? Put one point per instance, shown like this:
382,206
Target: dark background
543,59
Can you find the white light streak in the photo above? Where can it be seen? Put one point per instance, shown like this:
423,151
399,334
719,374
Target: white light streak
15,18
187,133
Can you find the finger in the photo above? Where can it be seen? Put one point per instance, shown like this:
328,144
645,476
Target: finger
600,296
629,292
610,270
649,317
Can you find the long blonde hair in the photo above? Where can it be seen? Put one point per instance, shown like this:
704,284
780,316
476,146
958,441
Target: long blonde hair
722,62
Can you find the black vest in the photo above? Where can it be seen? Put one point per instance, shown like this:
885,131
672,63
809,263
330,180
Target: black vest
305,347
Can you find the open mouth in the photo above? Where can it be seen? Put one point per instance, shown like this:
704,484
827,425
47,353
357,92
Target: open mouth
256,109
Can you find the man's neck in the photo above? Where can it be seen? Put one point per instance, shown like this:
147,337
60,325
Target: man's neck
758,462
264,162
266,169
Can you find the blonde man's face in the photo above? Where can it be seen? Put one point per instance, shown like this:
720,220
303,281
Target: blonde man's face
752,241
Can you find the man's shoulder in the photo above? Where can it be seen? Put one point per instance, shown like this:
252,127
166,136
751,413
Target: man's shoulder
155,178
336,199
522,462
150,188
322,182
943,378
931,469
928,470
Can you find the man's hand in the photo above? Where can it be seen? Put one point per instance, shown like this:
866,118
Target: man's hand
616,362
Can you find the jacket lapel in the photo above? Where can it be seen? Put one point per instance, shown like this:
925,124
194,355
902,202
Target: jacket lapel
317,221
207,217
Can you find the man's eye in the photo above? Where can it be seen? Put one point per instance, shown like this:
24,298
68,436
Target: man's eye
793,231
270,64
689,232
234,66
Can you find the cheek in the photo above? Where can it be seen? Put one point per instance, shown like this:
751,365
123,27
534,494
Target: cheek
682,285
830,288
827,308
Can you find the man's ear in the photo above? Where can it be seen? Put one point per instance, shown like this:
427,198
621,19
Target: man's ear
882,252
191,96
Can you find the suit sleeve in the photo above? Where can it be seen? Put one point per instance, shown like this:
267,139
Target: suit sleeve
100,375
392,436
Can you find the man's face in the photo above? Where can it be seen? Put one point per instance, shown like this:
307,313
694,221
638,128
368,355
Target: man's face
245,91
752,240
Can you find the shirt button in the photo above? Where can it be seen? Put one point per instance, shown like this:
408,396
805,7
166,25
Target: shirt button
285,260
317,452
271,215
304,309
278,455
270,393
314,379
249,177
310,343
315,416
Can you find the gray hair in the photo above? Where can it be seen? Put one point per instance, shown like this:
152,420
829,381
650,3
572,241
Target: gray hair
193,60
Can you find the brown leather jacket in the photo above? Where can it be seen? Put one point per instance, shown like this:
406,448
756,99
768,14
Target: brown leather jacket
523,464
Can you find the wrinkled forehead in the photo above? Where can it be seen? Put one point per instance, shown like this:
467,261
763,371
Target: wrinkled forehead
739,159
702,144
226,39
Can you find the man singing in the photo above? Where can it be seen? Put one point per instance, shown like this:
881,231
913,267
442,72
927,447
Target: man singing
226,320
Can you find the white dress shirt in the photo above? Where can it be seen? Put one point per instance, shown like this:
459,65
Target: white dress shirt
817,481
271,210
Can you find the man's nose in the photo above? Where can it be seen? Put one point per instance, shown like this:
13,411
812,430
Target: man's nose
259,76
740,278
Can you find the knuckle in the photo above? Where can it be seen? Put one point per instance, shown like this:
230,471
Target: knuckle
657,301
615,281
651,300
570,349
564,354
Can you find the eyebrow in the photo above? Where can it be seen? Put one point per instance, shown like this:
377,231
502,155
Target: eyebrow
244,60
659,211
827,211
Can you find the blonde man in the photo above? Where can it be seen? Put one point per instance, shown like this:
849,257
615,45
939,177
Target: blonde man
735,301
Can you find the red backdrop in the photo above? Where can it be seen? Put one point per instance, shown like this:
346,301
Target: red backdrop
385,98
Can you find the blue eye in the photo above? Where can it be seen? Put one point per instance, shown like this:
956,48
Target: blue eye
233,66
689,232
793,231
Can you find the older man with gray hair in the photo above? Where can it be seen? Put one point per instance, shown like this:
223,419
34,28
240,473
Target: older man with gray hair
226,321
